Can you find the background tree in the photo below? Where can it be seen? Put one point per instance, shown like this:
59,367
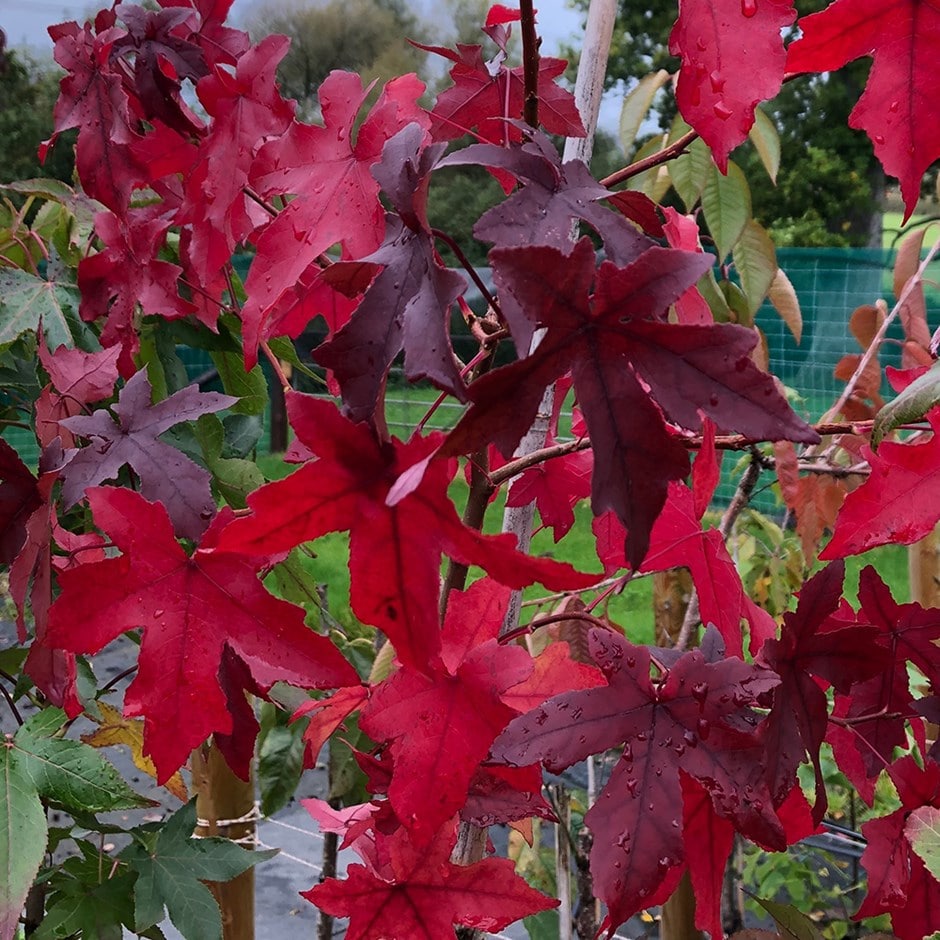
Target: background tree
366,36
28,90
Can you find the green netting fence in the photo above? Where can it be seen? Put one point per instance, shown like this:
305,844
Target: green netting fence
830,284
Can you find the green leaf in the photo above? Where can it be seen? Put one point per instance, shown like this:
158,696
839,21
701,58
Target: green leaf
22,838
691,171
251,387
347,781
708,287
165,369
234,478
87,899
542,926
763,135
636,106
726,204
292,580
242,433
910,405
171,866
27,300
280,763
923,832
793,923
283,347
69,772
756,261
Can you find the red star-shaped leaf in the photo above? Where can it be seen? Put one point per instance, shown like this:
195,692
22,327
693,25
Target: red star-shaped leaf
614,341
905,633
480,98
694,718
128,272
191,609
812,645
719,42
416,892
899,502
898,881
336,196
896,109
442,722
246,109
93,99
394,550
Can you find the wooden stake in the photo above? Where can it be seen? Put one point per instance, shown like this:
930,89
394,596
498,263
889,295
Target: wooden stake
222,796
923,565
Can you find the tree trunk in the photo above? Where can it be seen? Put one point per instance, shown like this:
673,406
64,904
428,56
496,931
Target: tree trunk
221,797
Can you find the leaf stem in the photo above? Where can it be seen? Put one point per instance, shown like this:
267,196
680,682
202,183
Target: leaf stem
9,698
470,269
277,367
111,683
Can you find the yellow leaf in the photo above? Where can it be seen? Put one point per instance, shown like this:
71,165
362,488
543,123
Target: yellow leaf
787,304
114,728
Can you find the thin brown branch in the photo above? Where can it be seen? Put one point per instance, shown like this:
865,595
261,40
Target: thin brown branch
875,345
530,64
12,705
469,268
254,197
647,163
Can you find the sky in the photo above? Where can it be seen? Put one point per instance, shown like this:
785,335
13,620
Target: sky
25,22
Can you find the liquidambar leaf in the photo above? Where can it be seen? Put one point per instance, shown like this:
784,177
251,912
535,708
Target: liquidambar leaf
22,839
69,772
28,300
171,866
923,831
